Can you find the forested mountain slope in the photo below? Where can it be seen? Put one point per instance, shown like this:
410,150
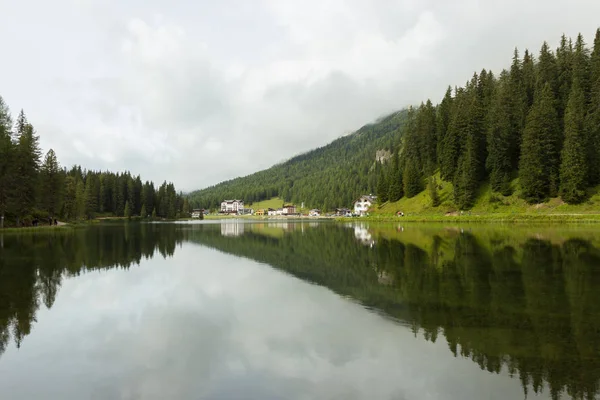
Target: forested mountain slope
532,132
327,177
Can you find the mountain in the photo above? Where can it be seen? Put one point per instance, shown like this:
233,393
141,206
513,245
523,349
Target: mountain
327,177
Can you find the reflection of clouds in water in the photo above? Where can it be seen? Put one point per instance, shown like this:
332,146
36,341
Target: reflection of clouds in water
208,325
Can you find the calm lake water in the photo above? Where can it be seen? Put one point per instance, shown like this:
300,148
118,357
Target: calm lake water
300,310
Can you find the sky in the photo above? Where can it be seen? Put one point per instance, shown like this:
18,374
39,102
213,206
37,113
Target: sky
197,92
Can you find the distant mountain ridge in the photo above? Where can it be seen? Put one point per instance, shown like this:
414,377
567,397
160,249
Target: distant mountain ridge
327,177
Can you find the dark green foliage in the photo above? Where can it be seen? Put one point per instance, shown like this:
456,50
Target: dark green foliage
143,212
395,189
127,210
592,120
6,159
443,116
547,72
51,178
529,80
382,187
574,169
433,191
412,180
455,136
539,156
331,176
27,164
502,137
426,132
564,62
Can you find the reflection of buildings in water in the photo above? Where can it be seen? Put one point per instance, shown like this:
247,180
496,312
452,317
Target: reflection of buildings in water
232,229
362,234
384,278
281,225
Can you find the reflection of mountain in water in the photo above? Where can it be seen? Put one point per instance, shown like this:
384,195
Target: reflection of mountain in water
525,303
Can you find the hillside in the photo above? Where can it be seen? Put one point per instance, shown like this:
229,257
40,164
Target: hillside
522,140
327,177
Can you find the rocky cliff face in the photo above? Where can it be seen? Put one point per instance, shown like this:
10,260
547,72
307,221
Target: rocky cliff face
382,155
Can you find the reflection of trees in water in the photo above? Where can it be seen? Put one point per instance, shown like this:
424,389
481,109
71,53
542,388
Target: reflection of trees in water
32,266
526,306
531,308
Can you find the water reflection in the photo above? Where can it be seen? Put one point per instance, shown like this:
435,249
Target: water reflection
523,301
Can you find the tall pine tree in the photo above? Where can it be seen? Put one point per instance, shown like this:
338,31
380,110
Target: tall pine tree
538,151
574,167
382,186
27,164
395,189
502,140
50,184
6,159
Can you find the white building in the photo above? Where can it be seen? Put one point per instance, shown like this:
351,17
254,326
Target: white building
314,213
232,206
271,212
362,205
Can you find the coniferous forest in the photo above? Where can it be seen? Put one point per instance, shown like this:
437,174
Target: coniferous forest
35,188
532,130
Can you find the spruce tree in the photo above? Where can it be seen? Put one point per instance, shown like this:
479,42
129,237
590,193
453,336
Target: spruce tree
443,117
90,196
592,120
564,62
27,162
426,132
574,166
595,60
453,141
502,141
547,72
433,191
51,189
412,180
515,93
382,186
154,213
538,151
143,212
395,190
581,66
529,79
70,199
6,160
80,200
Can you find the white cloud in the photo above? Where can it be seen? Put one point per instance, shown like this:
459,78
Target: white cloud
170,90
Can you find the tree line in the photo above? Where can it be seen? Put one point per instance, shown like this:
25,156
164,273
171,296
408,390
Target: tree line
36,189
533,130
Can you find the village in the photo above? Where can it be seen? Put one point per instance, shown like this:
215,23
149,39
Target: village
236,207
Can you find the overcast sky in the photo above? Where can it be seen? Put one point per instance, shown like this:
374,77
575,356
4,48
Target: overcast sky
197,91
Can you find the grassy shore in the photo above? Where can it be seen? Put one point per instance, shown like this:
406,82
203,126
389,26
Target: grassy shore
488,207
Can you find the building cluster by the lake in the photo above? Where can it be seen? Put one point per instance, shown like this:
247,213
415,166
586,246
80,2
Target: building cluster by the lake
236,207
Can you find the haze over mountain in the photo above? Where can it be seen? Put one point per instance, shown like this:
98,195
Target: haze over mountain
196,92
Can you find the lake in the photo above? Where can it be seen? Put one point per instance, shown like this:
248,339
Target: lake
300,310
